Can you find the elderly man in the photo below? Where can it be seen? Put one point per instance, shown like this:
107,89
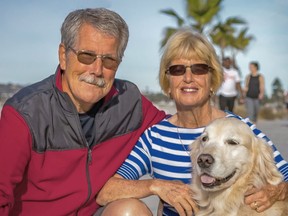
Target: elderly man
63,137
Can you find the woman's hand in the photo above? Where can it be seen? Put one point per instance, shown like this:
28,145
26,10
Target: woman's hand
263,198
176,194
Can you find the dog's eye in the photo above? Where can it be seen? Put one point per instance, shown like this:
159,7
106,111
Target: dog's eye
232,142
204,139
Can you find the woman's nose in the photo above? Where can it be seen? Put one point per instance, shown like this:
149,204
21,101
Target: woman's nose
188,76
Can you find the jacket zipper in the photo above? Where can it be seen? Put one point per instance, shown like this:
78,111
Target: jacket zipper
88,163
89,160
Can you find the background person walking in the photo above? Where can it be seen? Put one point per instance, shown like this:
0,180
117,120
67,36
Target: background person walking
231,87
254,90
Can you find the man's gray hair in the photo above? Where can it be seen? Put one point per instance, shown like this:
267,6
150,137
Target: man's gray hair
102,19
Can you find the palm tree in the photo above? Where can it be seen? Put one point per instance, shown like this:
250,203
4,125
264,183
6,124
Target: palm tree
277,92
222,34
199,14
240,43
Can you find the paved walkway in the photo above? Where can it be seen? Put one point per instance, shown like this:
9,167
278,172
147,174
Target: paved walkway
277,131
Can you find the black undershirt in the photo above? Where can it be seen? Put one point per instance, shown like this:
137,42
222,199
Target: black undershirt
87,122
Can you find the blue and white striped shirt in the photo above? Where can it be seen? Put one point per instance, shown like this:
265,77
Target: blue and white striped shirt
163,152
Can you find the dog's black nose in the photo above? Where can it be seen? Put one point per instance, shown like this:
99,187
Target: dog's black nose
205,160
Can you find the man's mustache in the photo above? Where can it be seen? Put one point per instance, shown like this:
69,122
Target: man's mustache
92,79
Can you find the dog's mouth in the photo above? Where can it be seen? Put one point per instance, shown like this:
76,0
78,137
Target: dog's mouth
209,181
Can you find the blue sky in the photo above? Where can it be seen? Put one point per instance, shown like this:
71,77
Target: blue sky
30,35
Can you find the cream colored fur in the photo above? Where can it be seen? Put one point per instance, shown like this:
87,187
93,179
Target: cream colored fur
234,147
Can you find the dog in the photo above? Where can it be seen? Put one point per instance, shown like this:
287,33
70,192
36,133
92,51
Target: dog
227,160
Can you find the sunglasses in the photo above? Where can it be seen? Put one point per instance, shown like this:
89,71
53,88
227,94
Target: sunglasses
88,57
197,69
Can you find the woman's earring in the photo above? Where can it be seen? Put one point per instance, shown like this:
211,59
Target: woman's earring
169,94
212,93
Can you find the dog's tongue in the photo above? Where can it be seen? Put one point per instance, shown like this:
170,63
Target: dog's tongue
207,179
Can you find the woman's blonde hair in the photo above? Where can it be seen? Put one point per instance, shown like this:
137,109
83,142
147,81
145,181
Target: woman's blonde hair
187,44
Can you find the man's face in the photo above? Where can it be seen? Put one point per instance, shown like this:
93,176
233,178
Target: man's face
86,84
227,63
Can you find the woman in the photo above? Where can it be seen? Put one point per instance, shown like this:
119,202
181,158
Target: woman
189,73
254,91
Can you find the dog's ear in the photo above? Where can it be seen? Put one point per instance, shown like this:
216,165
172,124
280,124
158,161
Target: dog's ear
265,164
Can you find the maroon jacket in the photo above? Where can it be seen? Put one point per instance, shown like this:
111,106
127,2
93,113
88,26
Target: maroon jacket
46,167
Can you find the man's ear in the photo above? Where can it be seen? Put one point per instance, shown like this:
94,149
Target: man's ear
62,56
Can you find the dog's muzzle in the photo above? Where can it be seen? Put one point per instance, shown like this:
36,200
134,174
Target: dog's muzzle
205,160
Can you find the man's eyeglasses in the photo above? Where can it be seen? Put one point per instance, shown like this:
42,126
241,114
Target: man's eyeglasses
197,69
88,57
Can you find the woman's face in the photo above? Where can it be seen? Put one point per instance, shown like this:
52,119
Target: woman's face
252,68
189,90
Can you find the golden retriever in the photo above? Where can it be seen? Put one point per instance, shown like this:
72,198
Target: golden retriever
228,159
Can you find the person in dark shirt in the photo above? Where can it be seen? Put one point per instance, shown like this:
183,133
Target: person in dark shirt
254,90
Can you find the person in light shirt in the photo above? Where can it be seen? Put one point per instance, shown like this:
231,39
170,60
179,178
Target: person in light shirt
230,88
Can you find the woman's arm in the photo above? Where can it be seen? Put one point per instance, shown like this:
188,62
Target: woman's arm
126,183
267,196
246,83
262,87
